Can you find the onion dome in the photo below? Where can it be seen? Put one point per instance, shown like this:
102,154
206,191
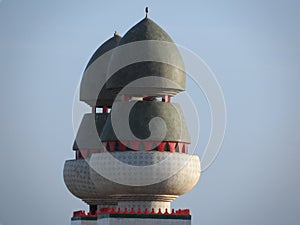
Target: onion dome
153,53
92,89
140,116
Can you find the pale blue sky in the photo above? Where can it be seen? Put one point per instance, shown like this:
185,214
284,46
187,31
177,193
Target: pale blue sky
253,48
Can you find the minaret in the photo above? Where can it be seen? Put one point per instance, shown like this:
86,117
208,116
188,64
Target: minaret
132,155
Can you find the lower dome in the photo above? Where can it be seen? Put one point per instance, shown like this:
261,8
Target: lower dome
120,175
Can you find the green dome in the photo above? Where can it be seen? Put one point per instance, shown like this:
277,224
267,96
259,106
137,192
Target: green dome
94,76
105,47
140,116
147,30
87,136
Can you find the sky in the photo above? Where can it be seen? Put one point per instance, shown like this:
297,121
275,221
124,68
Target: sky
252,47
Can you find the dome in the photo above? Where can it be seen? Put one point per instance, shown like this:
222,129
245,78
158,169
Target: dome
146,29
153,53
141,113
85,181
94,77
87,136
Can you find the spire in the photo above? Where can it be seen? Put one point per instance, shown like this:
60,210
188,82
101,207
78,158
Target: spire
147,11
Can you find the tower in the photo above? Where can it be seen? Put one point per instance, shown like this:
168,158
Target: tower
131,151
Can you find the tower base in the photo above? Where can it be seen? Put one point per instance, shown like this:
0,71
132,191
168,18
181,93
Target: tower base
180,217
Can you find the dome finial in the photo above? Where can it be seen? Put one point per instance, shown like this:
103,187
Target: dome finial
116,33
147,11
